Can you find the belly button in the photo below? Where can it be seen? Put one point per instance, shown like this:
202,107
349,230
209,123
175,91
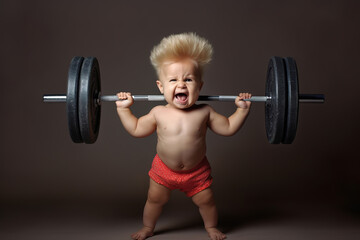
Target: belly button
181,166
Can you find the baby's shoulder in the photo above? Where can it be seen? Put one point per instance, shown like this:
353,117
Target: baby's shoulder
158,108
202,110
204,107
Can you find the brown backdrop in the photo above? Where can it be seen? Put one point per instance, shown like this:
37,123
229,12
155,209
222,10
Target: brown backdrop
40,166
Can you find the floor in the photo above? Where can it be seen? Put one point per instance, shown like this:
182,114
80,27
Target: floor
91,225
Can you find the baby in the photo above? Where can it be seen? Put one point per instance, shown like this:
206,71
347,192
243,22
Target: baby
181,127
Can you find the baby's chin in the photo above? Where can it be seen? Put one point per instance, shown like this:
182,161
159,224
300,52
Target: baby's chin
182,105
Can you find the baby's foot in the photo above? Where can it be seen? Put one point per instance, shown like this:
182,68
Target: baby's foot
215,234
143,233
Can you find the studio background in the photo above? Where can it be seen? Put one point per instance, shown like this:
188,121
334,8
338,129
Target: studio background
44,175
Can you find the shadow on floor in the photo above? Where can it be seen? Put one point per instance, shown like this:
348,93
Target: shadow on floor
227,223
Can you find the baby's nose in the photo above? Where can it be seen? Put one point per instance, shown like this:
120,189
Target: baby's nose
181,84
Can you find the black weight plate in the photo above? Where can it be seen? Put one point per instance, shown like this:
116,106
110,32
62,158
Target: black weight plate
89,107
275,107
292,101
72,99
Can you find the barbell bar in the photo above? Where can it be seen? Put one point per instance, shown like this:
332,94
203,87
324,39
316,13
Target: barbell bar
83,99
303,98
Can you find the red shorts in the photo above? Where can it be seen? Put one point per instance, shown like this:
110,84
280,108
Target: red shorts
189,181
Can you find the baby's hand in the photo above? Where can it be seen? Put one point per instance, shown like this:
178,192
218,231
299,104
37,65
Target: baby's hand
243,104
125,100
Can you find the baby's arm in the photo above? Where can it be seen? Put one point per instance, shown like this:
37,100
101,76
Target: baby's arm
137,127
229,126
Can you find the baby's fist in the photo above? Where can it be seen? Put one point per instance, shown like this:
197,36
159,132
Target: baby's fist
125,100
240,103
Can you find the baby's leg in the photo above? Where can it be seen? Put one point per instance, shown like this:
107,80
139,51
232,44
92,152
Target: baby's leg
205,201
158,195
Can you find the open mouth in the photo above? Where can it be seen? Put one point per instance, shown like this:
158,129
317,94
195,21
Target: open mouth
181,97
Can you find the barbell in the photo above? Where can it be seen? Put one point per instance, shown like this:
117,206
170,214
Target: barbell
83,99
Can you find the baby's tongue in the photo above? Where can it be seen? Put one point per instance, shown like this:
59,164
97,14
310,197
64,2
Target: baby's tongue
181,97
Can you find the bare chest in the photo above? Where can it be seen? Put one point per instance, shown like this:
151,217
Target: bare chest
177,123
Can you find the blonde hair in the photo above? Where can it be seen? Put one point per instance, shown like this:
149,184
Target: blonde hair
179,46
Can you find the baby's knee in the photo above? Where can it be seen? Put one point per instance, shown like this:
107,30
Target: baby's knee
159,199
204,198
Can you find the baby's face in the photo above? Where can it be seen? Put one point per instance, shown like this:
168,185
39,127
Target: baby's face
180,83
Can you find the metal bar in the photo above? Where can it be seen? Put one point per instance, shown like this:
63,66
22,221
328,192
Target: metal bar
303,98
311,98
112,98
54,98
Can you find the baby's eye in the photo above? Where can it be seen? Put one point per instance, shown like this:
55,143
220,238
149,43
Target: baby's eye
188,80
172,80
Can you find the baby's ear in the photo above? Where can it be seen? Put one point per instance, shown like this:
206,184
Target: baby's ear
160,86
